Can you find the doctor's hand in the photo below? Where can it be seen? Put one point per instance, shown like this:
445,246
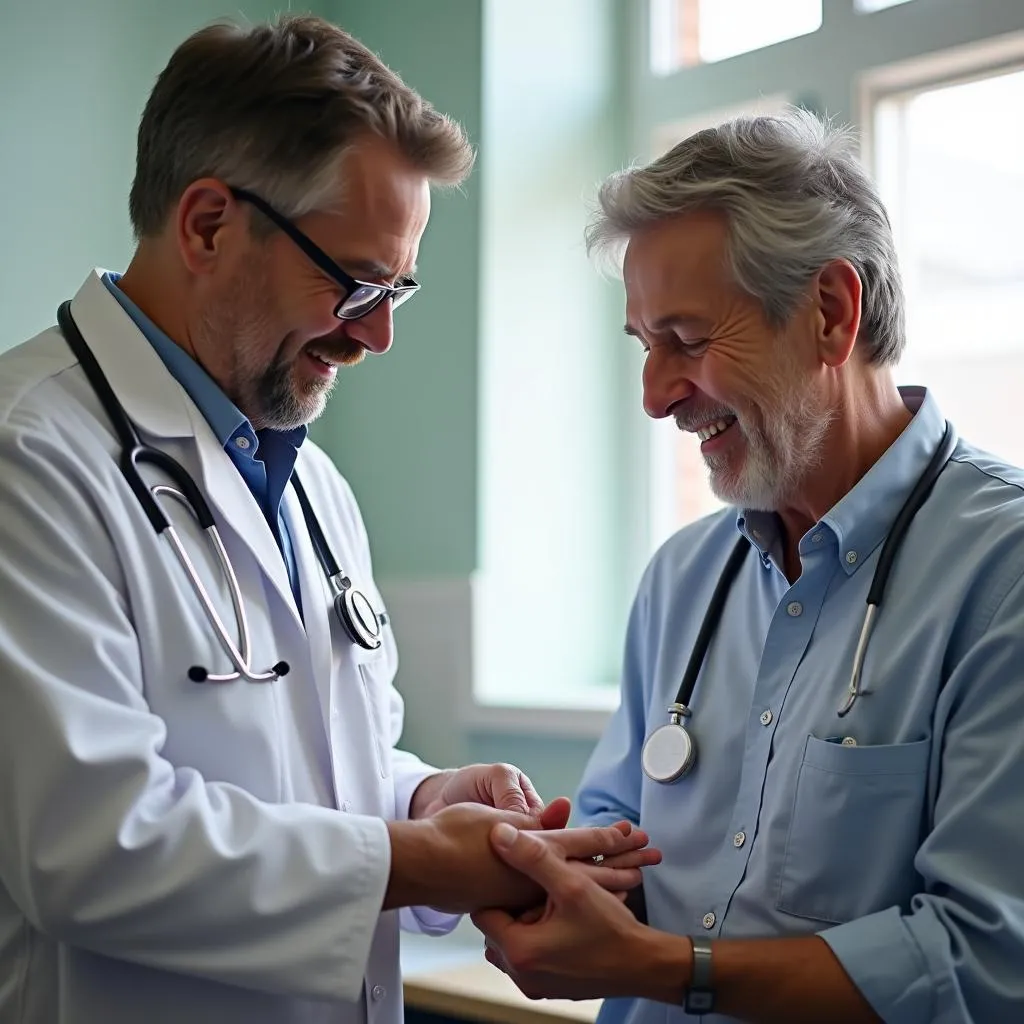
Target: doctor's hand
448,862
496,785
584,941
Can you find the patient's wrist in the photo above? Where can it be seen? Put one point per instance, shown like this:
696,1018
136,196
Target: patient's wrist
663,964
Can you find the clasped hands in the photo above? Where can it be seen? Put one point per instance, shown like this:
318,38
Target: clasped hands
468,807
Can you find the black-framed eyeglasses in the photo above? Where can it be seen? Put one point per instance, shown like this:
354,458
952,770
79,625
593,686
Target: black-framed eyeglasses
361,297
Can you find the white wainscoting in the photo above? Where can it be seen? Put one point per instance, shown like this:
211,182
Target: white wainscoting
433,624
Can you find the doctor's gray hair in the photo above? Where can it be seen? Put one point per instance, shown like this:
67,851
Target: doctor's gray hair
272,108
795,197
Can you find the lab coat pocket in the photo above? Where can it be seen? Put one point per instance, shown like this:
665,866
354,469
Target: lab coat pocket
371,666
855,828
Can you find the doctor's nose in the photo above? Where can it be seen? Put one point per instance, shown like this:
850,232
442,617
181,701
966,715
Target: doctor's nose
663,385
375,331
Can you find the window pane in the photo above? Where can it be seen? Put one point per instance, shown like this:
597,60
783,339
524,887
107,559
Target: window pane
959,214
687,32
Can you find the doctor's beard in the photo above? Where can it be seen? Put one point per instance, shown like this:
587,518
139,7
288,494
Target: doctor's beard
780,454
284,400
271,395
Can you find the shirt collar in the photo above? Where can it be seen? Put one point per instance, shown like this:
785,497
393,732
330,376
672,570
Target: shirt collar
224,417
862,518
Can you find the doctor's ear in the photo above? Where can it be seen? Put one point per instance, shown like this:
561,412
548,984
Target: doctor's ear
836,292
205,216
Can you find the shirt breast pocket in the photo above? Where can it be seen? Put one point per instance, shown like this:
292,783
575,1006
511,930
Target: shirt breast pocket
856,826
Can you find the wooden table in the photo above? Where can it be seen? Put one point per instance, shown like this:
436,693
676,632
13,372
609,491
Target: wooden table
479,992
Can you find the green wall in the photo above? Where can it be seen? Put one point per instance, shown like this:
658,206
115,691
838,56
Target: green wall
74,76
403,428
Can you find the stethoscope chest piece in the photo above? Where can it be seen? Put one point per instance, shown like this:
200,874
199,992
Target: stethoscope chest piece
353,607
669,752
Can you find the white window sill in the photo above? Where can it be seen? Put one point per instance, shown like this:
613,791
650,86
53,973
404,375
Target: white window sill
583,715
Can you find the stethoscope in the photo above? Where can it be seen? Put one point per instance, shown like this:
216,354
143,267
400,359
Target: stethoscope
670,752
361,622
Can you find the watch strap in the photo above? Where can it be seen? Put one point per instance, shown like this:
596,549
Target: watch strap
700,996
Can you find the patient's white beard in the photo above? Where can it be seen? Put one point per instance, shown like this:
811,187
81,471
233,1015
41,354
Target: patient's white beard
780,456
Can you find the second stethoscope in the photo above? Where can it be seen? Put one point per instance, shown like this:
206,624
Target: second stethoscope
670,752
360,620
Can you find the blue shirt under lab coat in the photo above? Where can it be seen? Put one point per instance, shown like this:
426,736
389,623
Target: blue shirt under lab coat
905,851
265,458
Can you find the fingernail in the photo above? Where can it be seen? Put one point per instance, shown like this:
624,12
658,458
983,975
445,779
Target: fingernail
504,835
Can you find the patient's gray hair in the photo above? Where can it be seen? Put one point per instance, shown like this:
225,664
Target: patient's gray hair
795,197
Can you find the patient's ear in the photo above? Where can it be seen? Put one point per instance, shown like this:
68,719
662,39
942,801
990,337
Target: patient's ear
837,295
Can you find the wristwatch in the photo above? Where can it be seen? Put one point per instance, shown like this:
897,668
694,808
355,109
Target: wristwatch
700,996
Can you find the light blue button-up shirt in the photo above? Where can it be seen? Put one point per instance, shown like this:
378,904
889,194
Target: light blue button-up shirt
903,846
265,458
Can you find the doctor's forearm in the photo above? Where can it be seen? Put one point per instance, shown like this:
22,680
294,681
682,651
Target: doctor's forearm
761,981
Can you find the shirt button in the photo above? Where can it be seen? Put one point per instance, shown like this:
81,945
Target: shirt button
766,717
818,537
794,608
378,992
739,839
709,920
242,442
851,557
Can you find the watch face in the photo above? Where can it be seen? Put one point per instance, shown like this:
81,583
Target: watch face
668,753
699,1001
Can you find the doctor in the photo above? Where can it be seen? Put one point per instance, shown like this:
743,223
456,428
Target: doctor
203,814
839,845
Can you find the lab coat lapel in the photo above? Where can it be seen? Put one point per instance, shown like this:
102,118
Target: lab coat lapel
163,412
317,608
227,492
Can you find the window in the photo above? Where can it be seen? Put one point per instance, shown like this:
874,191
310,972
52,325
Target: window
952,176
689,32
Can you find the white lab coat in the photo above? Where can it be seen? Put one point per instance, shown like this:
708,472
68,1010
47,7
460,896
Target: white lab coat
174,852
